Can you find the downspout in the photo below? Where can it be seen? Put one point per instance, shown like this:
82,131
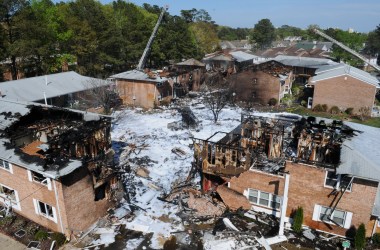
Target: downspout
284,205
374,226
58,209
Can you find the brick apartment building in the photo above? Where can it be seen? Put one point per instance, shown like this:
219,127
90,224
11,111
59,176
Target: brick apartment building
56,165
279,164
345,87
263,82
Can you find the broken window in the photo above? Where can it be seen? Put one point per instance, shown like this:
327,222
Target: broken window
331,179
264,199
8,193
337,181
5,165
45,210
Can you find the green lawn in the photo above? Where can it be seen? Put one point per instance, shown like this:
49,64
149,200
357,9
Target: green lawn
374,122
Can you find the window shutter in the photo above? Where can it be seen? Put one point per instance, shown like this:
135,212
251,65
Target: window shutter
347,220
317,209
18,205
30,175
245,193
35,202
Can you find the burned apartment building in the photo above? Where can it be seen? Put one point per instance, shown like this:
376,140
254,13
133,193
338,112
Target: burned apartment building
188,76
143,89
56,165
280,164
263,82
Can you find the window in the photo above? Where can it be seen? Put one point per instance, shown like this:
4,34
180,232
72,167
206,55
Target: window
337,180
9,195
6,165
264,199
45,210
39,178
331,179
339,217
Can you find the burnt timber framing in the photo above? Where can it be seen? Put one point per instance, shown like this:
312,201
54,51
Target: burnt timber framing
67,151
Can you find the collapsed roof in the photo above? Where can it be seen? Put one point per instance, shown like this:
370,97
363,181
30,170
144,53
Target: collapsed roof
49,140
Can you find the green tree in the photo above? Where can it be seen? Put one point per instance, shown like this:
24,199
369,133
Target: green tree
298,220
373,43
263,34
205,36
9,10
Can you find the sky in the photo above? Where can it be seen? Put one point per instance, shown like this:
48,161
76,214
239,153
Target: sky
361,15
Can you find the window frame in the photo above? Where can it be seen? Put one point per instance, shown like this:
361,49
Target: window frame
4,197
2,166
37,207
337,183
272,199
317,216
32,178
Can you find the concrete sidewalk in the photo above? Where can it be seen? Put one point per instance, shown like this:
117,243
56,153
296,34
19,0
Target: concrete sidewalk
7,243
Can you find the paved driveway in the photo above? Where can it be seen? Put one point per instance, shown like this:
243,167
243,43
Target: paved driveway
7,243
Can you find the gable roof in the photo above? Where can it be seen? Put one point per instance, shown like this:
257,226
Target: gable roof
309,62
191,62
138,76
33,88
361,158
241,56
341,69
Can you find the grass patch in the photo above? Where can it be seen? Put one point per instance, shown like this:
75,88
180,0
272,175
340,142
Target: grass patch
373,121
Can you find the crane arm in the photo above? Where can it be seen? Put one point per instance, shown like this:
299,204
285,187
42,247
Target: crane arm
353,52
144,56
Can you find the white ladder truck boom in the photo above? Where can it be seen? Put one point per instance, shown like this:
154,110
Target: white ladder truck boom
353,52
144,56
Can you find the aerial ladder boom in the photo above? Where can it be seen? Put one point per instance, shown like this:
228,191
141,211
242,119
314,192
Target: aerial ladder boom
144,56
353,52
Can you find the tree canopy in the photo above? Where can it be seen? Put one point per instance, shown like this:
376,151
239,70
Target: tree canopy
95,39
264,33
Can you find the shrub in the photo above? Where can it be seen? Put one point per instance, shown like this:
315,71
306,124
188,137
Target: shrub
318,108
41,235
349,111
59,238
334,110
376,239
325,107
298,220
272,102
303,103
360,237
364,113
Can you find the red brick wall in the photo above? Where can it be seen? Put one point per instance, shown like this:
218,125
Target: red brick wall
344,92
306,189
28,190
265,87
81,208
